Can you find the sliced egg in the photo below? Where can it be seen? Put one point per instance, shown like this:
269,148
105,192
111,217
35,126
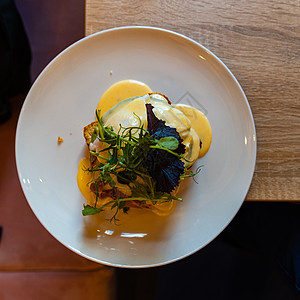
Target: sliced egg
200,124
132,112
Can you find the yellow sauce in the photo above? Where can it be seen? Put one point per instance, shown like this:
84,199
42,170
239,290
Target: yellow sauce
200,124
164,209
191,124
83,178
120,91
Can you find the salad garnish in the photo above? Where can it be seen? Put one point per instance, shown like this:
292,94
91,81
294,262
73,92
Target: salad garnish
149,161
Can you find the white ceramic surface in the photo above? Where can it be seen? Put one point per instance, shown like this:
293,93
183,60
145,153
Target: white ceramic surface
63,100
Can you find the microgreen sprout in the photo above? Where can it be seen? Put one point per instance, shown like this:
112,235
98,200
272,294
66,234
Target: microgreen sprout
149,161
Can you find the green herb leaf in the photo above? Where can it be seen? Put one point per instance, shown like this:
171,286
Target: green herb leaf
89,210
148,161
168,142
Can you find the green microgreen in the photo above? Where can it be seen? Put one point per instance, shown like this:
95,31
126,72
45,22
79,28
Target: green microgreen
149,163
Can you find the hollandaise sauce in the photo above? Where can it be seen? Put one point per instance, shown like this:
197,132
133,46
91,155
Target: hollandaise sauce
122,103
120,91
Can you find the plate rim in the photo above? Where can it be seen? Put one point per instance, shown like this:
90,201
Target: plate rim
154,29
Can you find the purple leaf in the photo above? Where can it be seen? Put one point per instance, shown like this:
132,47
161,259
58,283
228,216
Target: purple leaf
164,167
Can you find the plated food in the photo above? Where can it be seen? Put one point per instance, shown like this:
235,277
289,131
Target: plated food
141,147
57,106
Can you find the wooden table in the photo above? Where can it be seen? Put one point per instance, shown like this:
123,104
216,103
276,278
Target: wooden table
260,43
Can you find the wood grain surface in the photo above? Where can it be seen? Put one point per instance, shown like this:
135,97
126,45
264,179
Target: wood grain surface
260,43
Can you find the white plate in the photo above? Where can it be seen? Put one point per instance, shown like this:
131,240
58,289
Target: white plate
63,100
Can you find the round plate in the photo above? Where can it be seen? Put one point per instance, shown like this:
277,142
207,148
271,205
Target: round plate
63,100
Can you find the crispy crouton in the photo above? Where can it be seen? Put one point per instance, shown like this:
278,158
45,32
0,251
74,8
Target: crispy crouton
88,132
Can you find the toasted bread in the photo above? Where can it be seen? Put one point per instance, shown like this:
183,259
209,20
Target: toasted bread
88,131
